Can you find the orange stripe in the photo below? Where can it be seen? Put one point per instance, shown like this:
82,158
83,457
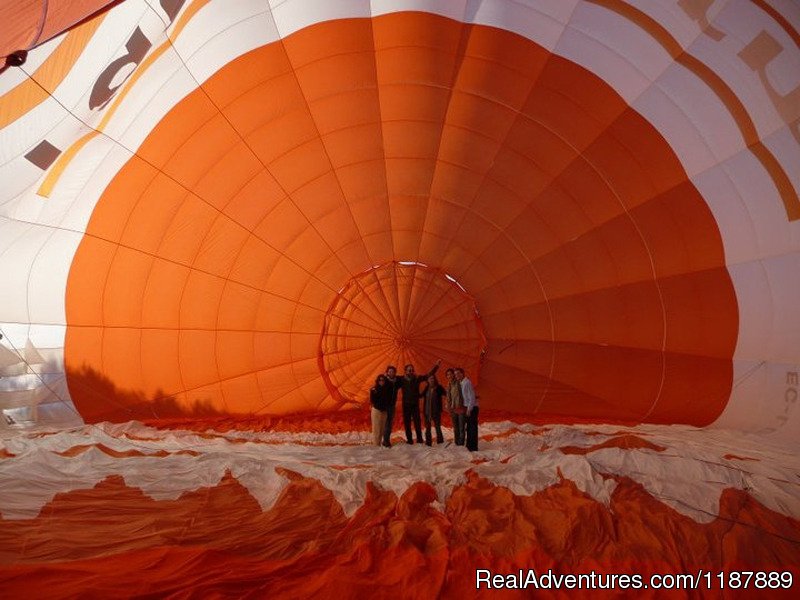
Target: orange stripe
779,19
52,177
58,168
29,94
725,94
145,64
186,17
780,178
148,62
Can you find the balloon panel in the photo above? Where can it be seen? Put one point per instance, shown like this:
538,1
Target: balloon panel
590,206
231,231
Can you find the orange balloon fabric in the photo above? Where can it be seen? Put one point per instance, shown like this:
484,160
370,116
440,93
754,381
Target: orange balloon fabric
468,162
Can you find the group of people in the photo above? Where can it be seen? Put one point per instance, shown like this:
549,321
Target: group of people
458,396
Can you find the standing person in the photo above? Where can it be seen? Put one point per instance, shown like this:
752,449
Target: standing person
410,383
394,385
455,404
471,407
379,396
433,393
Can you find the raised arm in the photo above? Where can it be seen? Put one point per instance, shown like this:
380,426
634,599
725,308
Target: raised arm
432,371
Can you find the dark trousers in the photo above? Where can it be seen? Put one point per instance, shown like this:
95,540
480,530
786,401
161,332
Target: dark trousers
387,431
459,424
436,419
472,430
411,412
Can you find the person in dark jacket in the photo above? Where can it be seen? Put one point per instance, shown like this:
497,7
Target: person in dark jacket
394,383
432,395
379,396
410,383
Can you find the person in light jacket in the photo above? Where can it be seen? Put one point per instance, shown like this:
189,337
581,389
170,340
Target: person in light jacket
455,404
471,408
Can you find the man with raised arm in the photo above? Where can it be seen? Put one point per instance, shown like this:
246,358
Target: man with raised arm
394,386
410,383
